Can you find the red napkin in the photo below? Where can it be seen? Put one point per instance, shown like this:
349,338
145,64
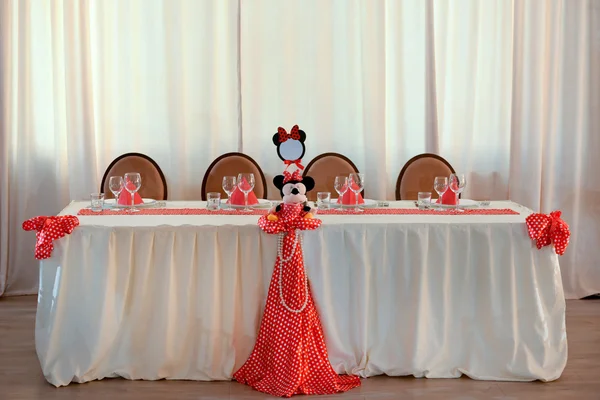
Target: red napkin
237,197
449,198
349,198
125,196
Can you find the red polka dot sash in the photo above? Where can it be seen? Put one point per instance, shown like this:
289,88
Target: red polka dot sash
290,356
549,229
48,230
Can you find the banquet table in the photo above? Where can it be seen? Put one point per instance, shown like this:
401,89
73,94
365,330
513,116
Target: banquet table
181,296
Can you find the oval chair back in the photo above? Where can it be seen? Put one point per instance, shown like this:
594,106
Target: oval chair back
324,168
418,174
154,184
231,164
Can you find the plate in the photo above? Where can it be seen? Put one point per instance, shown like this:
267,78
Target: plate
368,204
262,203
464,203
113,204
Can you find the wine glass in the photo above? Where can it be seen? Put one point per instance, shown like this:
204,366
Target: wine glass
457,183
356,183
340,184
245,183
116,185
229,184
440,185
133,182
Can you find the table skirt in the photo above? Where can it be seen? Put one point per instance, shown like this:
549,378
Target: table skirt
185,302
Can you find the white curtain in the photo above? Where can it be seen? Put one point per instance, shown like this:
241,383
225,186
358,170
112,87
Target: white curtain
86,81
505,90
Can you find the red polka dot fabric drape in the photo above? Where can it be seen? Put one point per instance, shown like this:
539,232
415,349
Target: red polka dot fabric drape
290,356
549,229
48,230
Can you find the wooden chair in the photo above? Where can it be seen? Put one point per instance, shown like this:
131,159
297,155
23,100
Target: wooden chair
231,164
154,185
418,174
324,168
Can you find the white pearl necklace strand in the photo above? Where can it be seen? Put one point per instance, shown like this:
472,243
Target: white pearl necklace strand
282,262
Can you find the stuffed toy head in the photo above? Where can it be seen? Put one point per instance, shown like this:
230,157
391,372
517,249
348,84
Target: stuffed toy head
293,187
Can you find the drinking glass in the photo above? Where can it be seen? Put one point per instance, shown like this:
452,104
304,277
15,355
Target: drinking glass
340,184
116,185
229,184
423,200
97,200
356,183
457,183
214,201
323,200
133,182
245,183
440,185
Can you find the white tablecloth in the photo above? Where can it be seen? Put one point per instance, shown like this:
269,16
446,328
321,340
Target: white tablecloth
181,297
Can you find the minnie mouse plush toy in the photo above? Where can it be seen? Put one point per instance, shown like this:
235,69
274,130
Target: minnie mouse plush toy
293,189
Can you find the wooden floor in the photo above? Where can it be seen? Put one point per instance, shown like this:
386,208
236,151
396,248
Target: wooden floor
21,377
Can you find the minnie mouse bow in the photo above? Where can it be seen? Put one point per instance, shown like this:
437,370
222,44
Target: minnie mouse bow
549,229
287,176
284,136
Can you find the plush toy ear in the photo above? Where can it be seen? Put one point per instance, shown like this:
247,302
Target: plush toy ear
309,183
278,181
276,139
302,136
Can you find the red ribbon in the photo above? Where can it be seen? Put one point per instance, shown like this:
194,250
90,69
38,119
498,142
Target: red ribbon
284,136
296,162
296,176
549,229
290,223
49,229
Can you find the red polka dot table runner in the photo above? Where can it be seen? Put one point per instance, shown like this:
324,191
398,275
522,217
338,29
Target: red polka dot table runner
415,211
237,213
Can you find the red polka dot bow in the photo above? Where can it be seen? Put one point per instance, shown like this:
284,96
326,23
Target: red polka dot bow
548,229
296,176
283,135
49,229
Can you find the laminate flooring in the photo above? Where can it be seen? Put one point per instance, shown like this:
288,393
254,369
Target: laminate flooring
22,379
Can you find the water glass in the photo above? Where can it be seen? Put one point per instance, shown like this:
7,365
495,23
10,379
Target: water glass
424,200
214,201
323,200
97,200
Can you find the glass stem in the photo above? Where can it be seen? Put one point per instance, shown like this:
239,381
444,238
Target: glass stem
356,201
246,200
